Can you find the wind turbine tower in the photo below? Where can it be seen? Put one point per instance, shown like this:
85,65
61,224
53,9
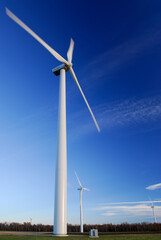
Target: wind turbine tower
60,210
81,211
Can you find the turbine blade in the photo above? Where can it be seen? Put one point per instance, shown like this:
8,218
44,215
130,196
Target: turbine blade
26,28
86,189
75,79
70,51
78,179
151,201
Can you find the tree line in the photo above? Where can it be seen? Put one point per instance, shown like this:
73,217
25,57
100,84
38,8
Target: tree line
102,228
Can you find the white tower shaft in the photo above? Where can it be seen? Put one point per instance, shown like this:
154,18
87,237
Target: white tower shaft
60,211
81,212
155,220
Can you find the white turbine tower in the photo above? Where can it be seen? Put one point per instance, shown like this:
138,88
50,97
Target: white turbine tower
60,211
81,211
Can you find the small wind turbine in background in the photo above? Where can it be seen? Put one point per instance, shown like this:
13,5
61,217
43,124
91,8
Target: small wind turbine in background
153,210
81,212
60,210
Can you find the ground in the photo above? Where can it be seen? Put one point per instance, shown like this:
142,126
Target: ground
104,237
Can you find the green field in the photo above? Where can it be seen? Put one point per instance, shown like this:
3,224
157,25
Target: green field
108,237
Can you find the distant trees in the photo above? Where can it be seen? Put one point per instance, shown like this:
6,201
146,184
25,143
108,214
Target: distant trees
102,228
126,227
26,227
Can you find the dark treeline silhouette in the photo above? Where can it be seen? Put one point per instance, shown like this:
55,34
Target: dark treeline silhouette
123,227
26,226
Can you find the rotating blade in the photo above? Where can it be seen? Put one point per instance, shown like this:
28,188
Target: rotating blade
76,80
78,179
70,51
26,28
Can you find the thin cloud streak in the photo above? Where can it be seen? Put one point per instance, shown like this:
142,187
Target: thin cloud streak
131,208
154,187
108,214
114,59
143,210
130,112
122,203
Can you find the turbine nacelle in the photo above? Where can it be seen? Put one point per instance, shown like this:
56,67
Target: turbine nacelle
56,70
81,189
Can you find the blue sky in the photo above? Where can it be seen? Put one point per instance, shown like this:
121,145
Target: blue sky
117,58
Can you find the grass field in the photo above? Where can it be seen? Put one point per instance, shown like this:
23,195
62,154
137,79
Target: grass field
109,237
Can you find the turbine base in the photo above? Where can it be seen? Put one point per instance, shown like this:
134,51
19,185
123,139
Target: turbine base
60,235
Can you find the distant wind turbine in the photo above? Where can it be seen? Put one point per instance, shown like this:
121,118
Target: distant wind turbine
81,212
153,210
60,211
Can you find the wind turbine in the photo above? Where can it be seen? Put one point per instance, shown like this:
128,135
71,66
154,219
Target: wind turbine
153,210
81,212
60,210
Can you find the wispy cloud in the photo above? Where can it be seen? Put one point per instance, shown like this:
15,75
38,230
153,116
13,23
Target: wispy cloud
141,208
154,187
42,112
109,214
129,203
137,210
115,58
129,112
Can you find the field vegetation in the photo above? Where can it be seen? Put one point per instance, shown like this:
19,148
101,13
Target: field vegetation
102,237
